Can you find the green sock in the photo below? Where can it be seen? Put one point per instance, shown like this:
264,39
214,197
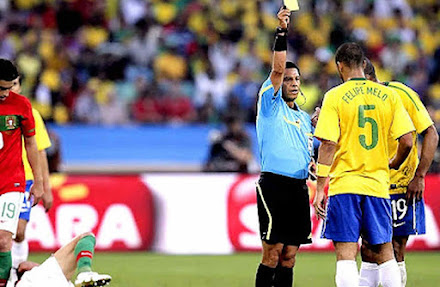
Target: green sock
5,264
84,253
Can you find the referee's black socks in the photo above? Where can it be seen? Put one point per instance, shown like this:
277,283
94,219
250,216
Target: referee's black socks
264,276
283,277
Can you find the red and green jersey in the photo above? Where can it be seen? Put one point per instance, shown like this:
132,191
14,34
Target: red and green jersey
16,120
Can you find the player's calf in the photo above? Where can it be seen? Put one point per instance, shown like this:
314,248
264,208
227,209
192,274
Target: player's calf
389,274
84,251
283,276
5,256
346,273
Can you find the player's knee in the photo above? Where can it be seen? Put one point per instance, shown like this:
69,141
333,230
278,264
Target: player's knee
271,258
367,254
399,246
5,241
399,254
288,260
385,253
288,264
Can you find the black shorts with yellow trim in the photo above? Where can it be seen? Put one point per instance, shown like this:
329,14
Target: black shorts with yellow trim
283,210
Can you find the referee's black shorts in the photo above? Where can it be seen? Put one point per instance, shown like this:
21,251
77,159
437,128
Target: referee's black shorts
283,210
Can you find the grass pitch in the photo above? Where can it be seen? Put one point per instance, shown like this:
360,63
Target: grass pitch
313,269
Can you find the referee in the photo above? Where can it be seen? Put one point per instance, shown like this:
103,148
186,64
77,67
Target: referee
285,143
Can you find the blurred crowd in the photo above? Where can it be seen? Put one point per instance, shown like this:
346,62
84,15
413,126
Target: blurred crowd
153,61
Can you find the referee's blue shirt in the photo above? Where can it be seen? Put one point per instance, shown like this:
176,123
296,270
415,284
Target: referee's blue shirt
285,138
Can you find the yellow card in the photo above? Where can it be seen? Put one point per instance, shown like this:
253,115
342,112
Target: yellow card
292,5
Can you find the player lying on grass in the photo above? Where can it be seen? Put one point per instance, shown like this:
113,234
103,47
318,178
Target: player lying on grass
60,267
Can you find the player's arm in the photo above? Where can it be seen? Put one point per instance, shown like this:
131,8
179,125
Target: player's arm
403,149
34,161
47,196
43,142
280,50
328,132
326,153
401,129
425,127
429,146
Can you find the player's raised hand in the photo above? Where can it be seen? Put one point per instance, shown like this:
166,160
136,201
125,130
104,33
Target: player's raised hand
284,17
37,192
319,204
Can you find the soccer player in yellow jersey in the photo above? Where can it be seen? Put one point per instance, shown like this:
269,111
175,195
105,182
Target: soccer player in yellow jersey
356,119
20,248
407,183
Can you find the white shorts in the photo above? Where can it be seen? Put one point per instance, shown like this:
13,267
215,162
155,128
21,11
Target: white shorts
10,206
48,274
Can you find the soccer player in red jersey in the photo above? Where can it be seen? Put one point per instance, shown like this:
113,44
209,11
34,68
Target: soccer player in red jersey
16,120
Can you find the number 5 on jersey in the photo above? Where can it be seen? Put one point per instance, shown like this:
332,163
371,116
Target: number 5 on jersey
363,120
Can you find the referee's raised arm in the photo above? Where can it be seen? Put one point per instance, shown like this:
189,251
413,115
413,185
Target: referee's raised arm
280,49
284,133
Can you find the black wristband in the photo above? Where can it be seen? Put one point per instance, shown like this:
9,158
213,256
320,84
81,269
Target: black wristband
280,41
281,31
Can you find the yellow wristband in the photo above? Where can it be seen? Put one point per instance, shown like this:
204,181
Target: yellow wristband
323,170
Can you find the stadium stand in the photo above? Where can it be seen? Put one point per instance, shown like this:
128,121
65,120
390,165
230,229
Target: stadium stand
180,61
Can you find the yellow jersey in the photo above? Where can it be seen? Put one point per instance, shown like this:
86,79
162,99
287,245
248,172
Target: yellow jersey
42,139
359,116
421,120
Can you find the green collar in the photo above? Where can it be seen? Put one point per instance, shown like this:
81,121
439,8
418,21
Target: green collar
357,79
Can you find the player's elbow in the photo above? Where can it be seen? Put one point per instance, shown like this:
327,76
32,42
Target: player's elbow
276,74
431,134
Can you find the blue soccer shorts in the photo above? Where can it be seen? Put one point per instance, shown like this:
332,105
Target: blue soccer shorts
25,212
407,219
350,216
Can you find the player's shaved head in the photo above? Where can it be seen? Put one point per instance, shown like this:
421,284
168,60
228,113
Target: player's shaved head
369,70
8,71
350,54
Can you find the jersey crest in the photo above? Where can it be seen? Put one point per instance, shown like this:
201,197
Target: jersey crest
9,122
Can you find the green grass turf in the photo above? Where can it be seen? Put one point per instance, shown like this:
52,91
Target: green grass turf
313,269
